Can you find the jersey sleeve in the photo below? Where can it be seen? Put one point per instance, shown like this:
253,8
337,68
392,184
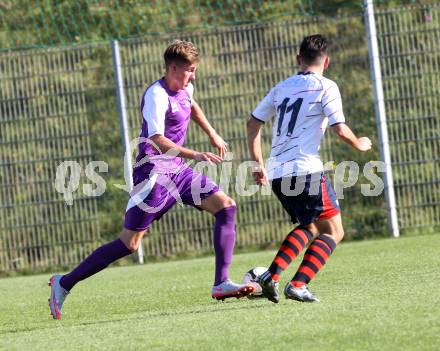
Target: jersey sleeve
266,108
332,105
190,90
154,110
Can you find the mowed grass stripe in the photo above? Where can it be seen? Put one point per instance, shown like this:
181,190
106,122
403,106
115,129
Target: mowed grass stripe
379,294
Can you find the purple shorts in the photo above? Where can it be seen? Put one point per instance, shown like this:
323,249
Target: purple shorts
155,194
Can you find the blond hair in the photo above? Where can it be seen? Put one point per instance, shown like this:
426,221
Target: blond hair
181,52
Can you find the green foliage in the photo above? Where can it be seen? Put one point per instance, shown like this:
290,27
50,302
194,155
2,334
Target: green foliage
62,102
54,22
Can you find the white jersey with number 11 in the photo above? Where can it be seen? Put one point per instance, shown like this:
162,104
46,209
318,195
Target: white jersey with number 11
303,106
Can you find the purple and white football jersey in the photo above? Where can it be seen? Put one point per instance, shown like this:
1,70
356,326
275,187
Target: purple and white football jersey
167,113
162,181
303,106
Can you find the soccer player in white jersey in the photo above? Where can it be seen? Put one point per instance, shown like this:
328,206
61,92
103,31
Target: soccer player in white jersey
303,106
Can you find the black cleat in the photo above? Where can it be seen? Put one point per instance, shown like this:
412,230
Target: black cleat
269,287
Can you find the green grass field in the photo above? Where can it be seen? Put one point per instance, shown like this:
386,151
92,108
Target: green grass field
375,295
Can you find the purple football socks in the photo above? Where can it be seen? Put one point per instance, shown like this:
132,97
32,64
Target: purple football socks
97,261
224,241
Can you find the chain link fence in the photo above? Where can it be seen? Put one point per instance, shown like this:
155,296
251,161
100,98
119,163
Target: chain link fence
43,122
409,40
60,105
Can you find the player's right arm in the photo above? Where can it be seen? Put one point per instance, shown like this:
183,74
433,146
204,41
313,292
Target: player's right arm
332,108
153,112
345,133
164,144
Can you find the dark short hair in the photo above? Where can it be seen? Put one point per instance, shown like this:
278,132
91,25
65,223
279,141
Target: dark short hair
181,52
313,48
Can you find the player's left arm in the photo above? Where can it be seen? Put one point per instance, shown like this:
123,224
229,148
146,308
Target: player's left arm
263,113
253,127
216,140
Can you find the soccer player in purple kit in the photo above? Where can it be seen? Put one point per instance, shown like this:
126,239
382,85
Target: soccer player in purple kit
303,105
167,107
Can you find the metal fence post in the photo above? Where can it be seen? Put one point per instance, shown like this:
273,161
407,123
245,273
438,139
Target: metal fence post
124,123
379,106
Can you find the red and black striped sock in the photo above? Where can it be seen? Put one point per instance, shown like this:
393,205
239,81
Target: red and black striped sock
292,245
314,259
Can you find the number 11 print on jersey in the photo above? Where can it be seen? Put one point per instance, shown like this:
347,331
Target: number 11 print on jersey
284,109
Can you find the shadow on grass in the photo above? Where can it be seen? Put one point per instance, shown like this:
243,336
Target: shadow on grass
209,309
